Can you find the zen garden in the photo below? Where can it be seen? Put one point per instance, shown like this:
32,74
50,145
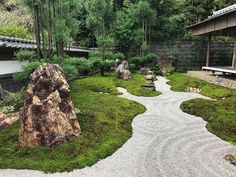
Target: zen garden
118,88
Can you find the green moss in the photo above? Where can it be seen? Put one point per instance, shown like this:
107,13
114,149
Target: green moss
180,82
105,122
135,86
109,84
219,113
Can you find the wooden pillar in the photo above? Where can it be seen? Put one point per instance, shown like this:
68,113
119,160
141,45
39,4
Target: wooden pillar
234,54
208,50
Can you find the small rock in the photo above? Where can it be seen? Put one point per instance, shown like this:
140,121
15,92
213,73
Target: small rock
144,70
6,120
122,71
231,159
194,90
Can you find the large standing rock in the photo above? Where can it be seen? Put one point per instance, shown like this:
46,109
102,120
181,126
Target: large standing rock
48,117
122,71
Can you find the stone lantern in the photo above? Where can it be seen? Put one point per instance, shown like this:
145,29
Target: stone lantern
150,81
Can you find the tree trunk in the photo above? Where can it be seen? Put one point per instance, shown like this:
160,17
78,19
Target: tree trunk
54,16
149,37
50,43
145,32
37,30
2,95
102,70
61,50
61,43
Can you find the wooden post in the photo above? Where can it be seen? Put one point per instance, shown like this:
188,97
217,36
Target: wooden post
234,54
208,50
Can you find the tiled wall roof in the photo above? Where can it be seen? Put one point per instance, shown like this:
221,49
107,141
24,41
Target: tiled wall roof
10,42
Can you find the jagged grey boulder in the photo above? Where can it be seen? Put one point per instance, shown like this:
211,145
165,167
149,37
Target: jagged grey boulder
144,70
48,116
122,71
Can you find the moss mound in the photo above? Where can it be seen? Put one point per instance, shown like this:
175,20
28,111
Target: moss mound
219,113
105,121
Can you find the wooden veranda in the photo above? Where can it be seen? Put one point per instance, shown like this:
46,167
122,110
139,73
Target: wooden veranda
221,23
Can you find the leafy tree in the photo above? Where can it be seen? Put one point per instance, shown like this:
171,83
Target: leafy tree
127,35
55,23
25,55
198,10
85,36
145,16
100,13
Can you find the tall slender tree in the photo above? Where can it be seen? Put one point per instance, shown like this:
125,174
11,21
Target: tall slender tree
55,23
100,19
145,15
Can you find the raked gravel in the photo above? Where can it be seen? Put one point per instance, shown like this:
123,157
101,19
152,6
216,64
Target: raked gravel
165,143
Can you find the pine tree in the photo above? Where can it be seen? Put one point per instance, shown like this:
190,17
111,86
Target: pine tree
100,19
55,23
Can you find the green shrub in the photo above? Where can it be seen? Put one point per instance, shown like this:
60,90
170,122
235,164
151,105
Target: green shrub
70,71
56,59
25,55
136,60
14,31
94,54
132,66
28,68
119,56
108,55
96,62
150,58
7,109
167,71
71,61
147,60
12,101
77,66
84,66
109,64
157,70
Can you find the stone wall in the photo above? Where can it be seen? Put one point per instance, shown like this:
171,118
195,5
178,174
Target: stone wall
193,55
9,84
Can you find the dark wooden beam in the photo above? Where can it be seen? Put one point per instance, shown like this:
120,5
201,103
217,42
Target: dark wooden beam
222,25
208,50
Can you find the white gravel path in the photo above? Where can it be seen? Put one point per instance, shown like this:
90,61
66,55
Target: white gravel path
166,143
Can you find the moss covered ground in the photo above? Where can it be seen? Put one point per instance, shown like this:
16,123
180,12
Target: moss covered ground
220,113
105,121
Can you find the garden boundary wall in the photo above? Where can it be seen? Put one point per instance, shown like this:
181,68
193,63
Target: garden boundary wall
192,56
9,84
